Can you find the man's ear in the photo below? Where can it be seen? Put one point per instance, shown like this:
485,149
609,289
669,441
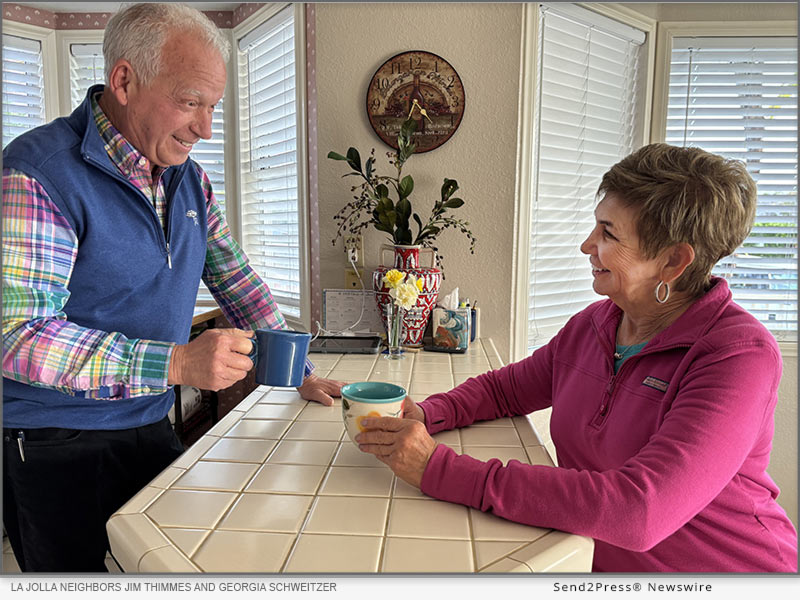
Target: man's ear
122,81
677,257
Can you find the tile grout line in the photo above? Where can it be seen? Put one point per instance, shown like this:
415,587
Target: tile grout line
382,552
312,504
472,542
341,442
240,493
392,498
189,557
170,487
508,556
172,544
344,439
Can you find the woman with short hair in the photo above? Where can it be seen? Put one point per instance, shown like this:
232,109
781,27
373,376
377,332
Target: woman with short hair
663,395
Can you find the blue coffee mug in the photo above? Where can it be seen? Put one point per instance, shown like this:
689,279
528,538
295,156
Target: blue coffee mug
280,356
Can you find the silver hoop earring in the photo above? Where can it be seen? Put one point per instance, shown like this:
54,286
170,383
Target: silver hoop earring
666,292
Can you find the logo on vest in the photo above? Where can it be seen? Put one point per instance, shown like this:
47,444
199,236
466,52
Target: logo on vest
656,383
192,214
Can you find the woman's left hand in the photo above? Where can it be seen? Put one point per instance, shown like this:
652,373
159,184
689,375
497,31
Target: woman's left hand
320,389
403,444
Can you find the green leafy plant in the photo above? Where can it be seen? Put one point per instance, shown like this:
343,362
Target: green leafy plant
373,206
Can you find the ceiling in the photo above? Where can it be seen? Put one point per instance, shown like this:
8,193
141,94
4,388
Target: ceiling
100,7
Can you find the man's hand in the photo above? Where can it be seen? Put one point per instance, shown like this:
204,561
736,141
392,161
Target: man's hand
403,444
320,390
214,360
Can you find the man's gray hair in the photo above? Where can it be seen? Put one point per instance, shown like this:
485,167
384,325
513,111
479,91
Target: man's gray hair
138,33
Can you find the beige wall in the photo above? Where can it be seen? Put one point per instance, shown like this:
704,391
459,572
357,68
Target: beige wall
783,460
482,42
710,11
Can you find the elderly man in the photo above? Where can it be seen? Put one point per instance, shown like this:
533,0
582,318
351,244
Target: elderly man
107,230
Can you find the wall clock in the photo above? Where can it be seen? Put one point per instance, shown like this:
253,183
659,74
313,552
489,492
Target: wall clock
421,84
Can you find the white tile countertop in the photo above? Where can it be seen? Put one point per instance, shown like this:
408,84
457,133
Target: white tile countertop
277,487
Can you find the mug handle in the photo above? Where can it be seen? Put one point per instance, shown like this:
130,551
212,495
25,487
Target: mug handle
254,352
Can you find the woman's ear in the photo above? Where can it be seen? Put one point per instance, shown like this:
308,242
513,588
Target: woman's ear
678,257
121,81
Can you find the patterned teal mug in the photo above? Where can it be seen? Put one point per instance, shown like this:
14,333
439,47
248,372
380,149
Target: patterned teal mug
370,399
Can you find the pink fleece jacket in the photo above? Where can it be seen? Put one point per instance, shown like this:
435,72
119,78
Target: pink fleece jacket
663,464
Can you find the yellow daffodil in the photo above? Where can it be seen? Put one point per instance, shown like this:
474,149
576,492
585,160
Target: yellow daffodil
393,278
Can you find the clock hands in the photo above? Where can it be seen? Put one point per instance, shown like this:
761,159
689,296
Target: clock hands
428,86
422,111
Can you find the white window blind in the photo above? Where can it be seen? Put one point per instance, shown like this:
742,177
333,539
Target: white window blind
86,68
23,86
738,97
210,154
269,204
588,117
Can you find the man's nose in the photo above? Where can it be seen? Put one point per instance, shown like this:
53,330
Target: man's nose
202,126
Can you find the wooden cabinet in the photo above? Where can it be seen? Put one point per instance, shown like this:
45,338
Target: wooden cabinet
214,405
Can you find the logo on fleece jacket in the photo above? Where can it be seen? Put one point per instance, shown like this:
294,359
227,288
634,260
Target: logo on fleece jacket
656,383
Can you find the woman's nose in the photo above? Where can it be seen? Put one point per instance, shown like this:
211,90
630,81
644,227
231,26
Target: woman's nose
587,247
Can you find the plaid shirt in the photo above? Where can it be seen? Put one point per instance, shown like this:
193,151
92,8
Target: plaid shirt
42,348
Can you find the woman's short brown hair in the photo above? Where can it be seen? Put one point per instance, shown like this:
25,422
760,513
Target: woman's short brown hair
685,195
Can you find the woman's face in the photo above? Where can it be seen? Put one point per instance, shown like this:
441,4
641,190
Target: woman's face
619,269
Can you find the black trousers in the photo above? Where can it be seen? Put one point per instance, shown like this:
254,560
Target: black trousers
57,501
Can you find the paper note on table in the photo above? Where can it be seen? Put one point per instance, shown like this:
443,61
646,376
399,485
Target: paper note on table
342,308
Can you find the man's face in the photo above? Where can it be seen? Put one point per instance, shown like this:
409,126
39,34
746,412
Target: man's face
174,111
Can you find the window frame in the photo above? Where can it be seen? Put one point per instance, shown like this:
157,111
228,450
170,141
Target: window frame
526,139
47,37
64,39
667,30
257,18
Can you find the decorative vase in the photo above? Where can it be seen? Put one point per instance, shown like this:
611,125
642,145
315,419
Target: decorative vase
394,331
406,259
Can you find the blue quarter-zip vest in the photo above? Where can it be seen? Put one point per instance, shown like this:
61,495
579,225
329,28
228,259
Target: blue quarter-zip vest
128,277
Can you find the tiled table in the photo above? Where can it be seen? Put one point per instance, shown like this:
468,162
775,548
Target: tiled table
277,486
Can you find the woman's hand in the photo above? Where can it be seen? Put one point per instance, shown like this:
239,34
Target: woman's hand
403,444
411,410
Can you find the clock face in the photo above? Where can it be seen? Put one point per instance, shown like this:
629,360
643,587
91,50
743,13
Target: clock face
410,83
